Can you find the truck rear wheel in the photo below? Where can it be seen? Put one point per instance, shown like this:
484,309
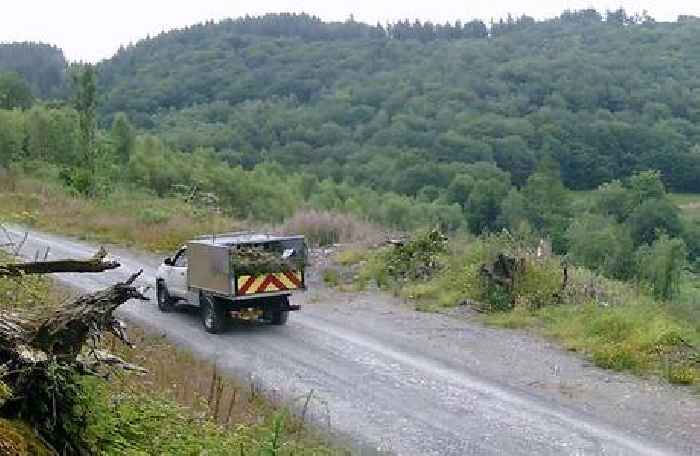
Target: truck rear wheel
276,315
279,317
213,314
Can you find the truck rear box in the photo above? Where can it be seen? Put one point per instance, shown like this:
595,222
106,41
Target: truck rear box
212,265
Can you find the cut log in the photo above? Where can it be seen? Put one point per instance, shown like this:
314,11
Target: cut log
97,263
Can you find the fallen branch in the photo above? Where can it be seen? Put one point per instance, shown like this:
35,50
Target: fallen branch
97,263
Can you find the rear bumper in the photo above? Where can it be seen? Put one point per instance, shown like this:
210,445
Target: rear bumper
267,295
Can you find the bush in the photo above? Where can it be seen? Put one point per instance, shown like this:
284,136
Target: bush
601,244
660,266
323,228
417,259
537,281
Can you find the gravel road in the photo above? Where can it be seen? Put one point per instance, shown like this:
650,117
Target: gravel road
394,380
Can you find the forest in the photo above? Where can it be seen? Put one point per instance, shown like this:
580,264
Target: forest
466,126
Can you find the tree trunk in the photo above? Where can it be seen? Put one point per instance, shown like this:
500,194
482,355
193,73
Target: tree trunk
97,263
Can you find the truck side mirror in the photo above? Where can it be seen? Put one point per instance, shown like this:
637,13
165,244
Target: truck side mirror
168,261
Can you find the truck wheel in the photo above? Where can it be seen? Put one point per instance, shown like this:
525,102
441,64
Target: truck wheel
165,302
213,314
276,316
279,317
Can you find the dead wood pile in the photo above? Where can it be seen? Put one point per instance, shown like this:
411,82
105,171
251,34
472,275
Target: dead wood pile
40,357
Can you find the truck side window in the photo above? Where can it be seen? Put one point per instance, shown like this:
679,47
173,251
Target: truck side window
181,259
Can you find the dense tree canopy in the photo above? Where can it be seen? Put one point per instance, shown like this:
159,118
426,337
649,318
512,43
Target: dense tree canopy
43,66
14,92
411,124
603,95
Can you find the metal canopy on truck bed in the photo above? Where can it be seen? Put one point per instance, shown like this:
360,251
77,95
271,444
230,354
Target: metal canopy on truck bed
211,264
242,238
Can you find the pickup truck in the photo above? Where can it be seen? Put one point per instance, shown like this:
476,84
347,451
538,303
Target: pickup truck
240,275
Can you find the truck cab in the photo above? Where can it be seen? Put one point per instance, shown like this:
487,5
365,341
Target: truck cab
242,275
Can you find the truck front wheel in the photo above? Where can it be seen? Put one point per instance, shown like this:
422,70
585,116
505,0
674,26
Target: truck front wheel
165,302
213,314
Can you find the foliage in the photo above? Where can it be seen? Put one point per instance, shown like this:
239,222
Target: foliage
661,266
255,261
616,324
638,335
546,203
601,244
416,259
653,218
123,138
86,105
136,424
14,92
334,99
43,66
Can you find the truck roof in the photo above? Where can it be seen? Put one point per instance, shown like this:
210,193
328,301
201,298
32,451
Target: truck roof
228,239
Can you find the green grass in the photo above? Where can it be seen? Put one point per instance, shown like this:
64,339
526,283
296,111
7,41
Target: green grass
139,424
684,199
689,203
641,337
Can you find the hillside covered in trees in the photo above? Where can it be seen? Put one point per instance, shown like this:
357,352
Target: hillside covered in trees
42,66
462,125
405,107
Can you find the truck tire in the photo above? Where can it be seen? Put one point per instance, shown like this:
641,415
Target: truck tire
276,316
213,314
165,302
279,317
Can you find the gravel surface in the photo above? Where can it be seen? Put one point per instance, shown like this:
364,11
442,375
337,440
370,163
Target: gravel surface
394,380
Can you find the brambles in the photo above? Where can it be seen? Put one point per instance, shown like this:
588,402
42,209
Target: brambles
418,258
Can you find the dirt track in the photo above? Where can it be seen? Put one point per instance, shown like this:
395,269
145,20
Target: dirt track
396,380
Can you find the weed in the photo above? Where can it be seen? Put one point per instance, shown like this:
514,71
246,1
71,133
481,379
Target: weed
353,256
331,277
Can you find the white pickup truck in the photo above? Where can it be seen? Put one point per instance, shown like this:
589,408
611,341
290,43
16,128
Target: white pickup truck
208,273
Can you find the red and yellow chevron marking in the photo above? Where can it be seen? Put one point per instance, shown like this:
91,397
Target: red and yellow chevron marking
268,283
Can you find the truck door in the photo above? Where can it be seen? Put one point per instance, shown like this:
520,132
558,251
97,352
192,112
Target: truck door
177,276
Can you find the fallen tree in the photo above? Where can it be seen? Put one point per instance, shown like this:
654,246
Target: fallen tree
97,263
41,359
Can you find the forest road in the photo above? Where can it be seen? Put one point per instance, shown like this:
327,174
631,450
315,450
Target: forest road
402,382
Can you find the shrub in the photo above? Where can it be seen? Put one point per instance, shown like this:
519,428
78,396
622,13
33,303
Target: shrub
331,277
660,266
323,228
601,244
537,282
418,258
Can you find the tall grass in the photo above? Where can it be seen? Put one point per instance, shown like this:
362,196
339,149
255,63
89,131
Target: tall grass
127,217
